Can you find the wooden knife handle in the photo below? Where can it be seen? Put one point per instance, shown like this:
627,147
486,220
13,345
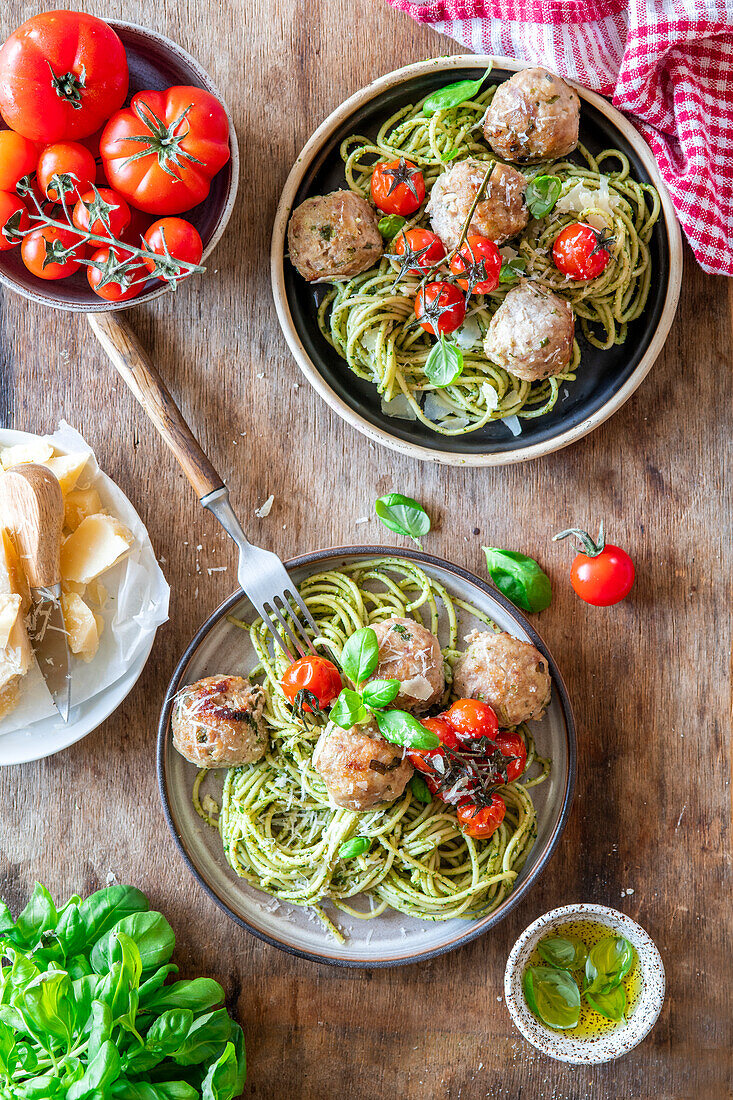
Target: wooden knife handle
32,509
133,363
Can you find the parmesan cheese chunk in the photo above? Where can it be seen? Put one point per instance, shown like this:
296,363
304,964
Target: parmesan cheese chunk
67,469
37,451
9,612
419,687
12,577
16,656
97,544
78,504
82,626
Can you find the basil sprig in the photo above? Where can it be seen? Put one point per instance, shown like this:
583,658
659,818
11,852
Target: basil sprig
453,95
349,710
512,269
541,195
360,655
556,996
520,578
444,364
403,515
357,846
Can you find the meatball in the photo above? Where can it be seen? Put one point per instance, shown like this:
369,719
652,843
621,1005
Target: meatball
217,722
500,214
359,767
510,675
410,653
531,334
334,236
533,116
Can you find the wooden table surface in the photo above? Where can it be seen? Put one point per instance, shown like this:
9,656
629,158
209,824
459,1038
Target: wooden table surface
650,828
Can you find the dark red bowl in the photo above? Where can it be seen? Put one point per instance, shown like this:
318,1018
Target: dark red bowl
155,62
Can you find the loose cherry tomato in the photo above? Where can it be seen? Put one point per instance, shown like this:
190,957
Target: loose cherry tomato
472,719
178,239
66,158
482,821
481,260
9,206
106,213
18,158
315,675
49,253
512,744
422,246
440,308
602,574
398,187
580,251
117,275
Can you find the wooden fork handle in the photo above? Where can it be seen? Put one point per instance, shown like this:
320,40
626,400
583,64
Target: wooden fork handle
32,508
134,365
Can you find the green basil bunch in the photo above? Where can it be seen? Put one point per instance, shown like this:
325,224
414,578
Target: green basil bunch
85,1013
554,995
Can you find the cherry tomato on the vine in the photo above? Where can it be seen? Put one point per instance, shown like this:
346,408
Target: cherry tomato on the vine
512,744
177,238
18,158
66,158
106,213
601,574
440,308
443,730
313,674
482,821
424,247
9,206
398,187
117,275
49,252
580,251
471,719
481,260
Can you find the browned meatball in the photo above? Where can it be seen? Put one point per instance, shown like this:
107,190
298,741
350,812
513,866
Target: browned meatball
531,334
410,653
217,722
360,768
334,236
500,214
533,116
508,674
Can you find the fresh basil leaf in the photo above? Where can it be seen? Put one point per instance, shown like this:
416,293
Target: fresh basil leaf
450,156
612,1005
420,789
541,195
100,1073
221,1079
401,728
564,952
178,1090
390,225
360,655
512,269
9,1055
46,1002
403,515
237,1041
348,710
444,364
453,95
357,846
380,693
125,1089
520,578
205,1040
70,931
101,1028
38,916
152,934
198,995
552,995
41,1088
102,910
169,1031
7,924
608,964
152,985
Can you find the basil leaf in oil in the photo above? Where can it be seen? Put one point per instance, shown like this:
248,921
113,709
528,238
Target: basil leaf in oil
552,995
612,1005
608,964
565,952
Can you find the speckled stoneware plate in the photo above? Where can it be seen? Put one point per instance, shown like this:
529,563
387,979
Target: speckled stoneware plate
155,62
614,1044
390,939
606,379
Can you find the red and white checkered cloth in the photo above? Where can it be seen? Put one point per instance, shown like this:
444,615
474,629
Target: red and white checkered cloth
666,63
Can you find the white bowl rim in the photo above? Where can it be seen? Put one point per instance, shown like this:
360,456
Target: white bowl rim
339,406
614,1044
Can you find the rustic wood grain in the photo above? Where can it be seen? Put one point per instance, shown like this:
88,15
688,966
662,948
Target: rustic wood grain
650,830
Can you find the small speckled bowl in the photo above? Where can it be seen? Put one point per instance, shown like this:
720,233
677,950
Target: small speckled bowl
587,1052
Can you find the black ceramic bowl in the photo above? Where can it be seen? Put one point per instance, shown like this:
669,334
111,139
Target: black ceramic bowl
154,62
605,378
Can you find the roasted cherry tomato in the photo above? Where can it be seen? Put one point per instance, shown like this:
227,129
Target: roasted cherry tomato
471,719
163,151
481,260
62,73
66,158
602,574
481,821
580,251
443,730
18,158
398,187
178,239
512,744
431,763
424,247
440,308
49,252
315,675
9,206
106,213
117,275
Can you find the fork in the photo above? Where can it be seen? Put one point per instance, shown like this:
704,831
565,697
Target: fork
261,574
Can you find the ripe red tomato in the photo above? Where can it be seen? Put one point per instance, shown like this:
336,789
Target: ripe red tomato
62,73
66,158
424,761
398,187
440,308
443,730
316,675
479,258
18,158
49,253
424,247
512,744
113,278
579,251
10,205
105,218
602,574
177,238
472,719
481,821
185,134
